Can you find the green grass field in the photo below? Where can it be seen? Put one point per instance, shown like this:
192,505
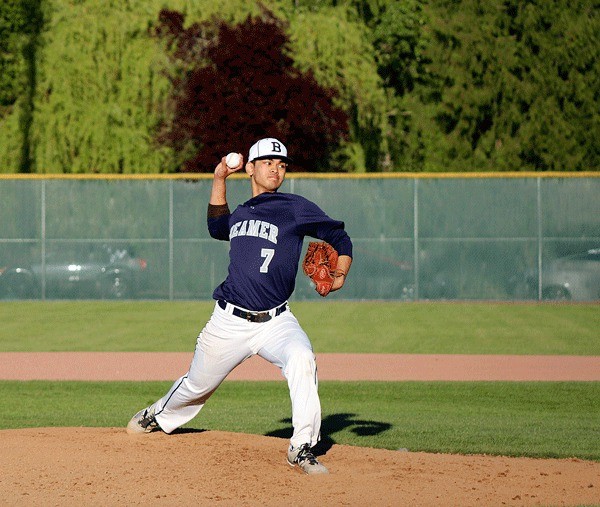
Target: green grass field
539,419
380,327
548,419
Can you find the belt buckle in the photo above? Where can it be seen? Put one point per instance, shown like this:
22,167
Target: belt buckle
259,317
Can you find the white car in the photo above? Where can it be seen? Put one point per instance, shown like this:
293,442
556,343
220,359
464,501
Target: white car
572,278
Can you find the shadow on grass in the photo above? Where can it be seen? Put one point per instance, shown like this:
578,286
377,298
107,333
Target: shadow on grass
332,424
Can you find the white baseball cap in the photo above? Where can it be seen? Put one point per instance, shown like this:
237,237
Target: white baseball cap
268,148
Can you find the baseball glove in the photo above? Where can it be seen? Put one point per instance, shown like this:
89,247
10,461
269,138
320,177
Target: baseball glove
319,264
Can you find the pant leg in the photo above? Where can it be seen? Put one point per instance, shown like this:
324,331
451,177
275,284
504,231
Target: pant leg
287,346
220,347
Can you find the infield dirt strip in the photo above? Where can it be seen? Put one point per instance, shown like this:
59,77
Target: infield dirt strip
143,366
106,466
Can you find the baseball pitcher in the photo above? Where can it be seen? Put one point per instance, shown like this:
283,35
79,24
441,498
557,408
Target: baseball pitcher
251,314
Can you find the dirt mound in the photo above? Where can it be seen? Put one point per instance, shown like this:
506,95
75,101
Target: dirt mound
106,466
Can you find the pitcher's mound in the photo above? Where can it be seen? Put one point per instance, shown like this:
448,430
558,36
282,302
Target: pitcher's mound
106,467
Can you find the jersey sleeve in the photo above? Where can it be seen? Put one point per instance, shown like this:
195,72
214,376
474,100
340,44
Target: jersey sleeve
313,221
218,227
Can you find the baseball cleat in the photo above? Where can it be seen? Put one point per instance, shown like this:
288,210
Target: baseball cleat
305,459
143,422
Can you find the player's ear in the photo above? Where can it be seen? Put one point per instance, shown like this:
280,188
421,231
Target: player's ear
250,168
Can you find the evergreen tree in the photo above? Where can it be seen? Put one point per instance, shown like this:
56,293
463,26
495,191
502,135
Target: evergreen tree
508,86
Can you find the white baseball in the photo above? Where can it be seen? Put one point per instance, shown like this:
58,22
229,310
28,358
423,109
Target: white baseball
233,160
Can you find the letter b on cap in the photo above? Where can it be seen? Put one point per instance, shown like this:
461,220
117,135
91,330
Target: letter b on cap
276,147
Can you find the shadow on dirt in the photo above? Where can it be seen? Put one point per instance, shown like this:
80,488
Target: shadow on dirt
181,431
332,424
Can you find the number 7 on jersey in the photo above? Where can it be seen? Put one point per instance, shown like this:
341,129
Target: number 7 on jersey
268,254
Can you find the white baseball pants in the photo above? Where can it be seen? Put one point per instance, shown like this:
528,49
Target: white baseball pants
228,340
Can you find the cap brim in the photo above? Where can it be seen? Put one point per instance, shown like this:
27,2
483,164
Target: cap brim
287,160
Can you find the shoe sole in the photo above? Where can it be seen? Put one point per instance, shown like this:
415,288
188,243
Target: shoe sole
294,465
133,428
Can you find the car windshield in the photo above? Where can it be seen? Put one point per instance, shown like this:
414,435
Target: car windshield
590,255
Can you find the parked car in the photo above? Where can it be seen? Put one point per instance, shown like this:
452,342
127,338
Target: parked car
80,271
574,277
388,275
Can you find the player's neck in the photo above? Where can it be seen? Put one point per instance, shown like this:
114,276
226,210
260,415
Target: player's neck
259,191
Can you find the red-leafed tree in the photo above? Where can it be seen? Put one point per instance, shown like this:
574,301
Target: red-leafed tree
235,85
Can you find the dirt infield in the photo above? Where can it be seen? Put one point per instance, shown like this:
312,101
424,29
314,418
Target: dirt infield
108,467
142,366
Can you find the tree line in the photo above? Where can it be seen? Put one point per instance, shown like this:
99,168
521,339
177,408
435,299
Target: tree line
351,85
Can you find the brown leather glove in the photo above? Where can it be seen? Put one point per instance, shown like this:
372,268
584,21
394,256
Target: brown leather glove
319,264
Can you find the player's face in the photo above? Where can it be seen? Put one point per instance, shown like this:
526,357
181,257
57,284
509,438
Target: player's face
267,175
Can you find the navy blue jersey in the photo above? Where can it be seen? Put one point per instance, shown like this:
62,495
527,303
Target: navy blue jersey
266,235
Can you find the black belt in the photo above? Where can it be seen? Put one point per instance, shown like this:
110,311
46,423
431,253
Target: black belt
252,316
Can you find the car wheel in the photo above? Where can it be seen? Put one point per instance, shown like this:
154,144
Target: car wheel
556,293
19,287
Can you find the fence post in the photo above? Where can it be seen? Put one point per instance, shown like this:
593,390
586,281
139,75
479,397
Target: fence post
539,236
43,240
416,236
171,267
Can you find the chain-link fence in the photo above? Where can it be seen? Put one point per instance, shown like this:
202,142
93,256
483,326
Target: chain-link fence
448,237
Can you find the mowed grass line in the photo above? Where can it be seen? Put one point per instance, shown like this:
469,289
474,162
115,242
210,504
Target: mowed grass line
546,420
333,326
